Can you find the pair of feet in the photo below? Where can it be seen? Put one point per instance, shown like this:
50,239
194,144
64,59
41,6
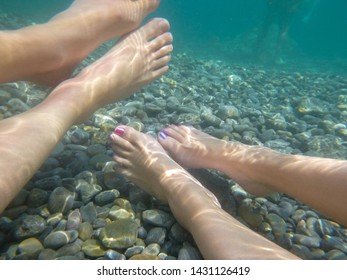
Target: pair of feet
147,161
87,24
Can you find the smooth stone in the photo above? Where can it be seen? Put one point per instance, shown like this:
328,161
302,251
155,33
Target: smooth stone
250,212
30,246
178,233
69,250
119,234
99,161
114,255
6,224
335,255
188,252
61,200
117,212
152,249
88,176
102,211
74,220
279,226
134,250
298,215
142,232
158,218
144,257
87,191
49,184
93,248
18,105
286,209
37,197
311,242
78,136
106,197
48,254
302,252
54,219
57,239
85,231
156,235
96,149
88,213
31,225
334,242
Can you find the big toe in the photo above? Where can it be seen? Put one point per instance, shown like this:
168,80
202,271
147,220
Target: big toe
154,28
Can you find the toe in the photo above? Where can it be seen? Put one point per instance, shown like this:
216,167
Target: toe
155,28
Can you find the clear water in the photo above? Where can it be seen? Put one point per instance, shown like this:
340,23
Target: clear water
224,29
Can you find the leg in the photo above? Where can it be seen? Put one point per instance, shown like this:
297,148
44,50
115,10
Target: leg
141,159
318,182
48,53
27,139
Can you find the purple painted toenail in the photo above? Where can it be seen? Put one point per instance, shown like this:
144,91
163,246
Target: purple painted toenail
119,131
162,135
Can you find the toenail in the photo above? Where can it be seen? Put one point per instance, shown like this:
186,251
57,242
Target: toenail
162,135
119,131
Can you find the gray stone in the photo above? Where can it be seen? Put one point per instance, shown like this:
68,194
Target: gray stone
60,200
87,191
114,255
158,218
156,235
85,231
311,242
188,252
106,197
74,220
279,226
152,249
88,213
134,250
57,239
30,225
93,248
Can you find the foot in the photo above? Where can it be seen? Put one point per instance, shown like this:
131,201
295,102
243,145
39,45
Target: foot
142,160
84,26
136,60
192,148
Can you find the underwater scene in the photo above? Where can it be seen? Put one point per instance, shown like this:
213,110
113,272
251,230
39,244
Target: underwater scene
269,73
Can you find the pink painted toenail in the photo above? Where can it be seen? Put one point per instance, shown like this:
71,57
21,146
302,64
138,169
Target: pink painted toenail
119,131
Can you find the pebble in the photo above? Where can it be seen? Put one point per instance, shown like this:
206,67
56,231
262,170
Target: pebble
152,249
93,248
156,235
85,231
88,213
119,234
188,252
60,200
87,191
106,197
158,218
279,226
31,247
57,239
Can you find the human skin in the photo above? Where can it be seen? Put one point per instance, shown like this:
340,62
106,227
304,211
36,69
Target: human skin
48,53
218,235
318,182
27,139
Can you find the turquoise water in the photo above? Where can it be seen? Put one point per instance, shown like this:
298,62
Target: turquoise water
225,29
